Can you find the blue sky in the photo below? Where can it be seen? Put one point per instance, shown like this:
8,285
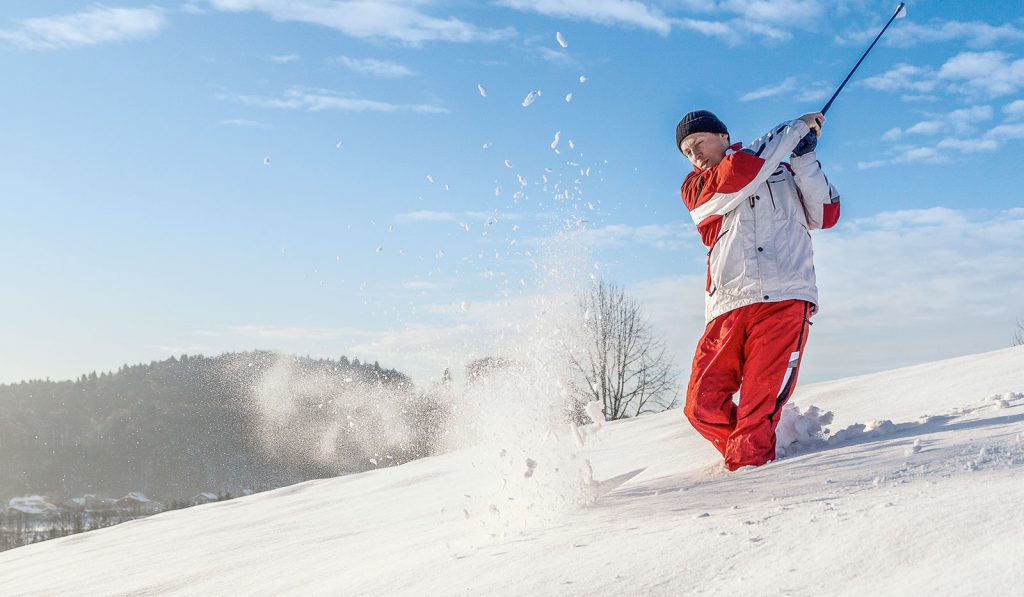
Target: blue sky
326,177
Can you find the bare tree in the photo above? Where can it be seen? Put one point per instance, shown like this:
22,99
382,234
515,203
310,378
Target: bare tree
620,361
1018,336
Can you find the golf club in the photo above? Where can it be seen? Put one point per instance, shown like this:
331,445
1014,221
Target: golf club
901,12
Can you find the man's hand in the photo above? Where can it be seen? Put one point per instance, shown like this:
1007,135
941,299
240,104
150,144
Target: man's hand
814,120
810,140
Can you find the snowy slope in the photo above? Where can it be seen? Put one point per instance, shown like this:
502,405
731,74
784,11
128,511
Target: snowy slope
923,498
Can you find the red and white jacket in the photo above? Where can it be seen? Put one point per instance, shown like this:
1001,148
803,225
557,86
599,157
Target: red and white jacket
754,213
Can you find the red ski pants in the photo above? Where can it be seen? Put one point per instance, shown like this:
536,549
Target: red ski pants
758,347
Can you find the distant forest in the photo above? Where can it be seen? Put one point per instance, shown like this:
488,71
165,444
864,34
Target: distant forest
234,423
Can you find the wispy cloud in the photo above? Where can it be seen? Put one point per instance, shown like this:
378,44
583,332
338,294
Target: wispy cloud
992,74
909,33
1014,109
395,20
792,87
968,74
744,20
955,133
904,154
317,100
718,29
905,77
97,25
374,67
962,121
284,58
244,123
605,12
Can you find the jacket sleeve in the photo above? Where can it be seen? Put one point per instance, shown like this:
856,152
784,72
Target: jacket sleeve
716,191
820,199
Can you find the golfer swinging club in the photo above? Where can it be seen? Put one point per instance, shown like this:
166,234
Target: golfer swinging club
753,211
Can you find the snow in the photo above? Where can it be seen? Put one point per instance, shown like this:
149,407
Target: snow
561,39
530,98
905,482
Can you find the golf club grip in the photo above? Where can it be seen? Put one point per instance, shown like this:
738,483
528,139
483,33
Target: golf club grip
862,57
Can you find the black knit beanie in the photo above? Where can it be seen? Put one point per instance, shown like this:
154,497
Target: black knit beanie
699,121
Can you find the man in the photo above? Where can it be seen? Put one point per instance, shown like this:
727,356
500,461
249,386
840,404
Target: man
753,212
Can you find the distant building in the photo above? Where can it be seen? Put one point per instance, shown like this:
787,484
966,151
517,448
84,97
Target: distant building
89,503
32,505
137,502
204,498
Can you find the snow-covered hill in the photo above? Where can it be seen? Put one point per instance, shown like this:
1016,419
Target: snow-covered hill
918,491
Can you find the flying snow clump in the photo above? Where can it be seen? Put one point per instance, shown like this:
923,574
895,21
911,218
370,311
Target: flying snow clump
561,39
530,98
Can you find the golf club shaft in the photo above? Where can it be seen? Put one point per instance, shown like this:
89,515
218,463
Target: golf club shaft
864,55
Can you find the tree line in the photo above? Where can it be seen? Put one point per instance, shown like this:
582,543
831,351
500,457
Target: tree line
177,427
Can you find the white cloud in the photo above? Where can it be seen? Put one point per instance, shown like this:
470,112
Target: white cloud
961,130
1014,109
717,29
96,25
779,12
560,57
284,58
904,77
605,12
785,86
968,145
192,9
969,74
317,100
907,154
962,121
743,20
374,67
893,133
244,123
794,88
909,33
383,19
1006,132
990,74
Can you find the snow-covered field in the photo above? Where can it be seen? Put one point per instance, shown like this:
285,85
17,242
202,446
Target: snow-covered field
918,491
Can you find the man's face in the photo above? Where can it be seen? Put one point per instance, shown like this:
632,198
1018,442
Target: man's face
705,150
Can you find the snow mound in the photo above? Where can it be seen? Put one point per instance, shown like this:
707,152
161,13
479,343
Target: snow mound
801,430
